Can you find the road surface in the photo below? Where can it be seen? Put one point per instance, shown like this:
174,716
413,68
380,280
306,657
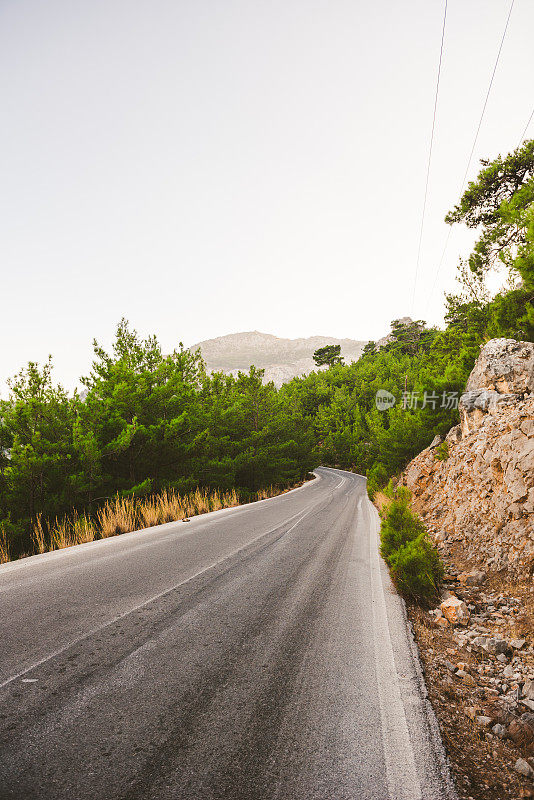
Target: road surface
254,653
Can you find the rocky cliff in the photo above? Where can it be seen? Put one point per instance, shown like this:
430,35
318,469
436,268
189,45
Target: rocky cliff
475,490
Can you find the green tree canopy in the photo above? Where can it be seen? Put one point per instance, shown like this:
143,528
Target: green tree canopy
501,203
330,354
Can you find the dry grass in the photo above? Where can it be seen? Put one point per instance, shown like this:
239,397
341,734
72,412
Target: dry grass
119,516
38,536
125,514
4,547
381,500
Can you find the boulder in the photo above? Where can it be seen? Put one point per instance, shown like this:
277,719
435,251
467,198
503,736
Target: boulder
505,366
455,610
521,733
523,767
473,578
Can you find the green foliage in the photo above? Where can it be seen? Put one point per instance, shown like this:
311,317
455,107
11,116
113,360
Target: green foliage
414,563
339,403
330,354
416,570
399,526
147,422
442,451
376,478
501,204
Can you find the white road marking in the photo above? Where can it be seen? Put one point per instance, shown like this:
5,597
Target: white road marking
402,780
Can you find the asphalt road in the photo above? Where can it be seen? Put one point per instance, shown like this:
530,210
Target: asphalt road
257,652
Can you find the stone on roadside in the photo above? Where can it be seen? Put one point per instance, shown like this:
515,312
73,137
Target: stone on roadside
439,620
496,646
521,733
523,767
473,578
471,711
455,610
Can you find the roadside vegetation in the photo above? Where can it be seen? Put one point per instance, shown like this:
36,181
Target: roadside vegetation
413,561
148,423
125,514
145,425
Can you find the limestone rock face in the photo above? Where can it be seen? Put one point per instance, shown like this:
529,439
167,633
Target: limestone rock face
480,499
505,366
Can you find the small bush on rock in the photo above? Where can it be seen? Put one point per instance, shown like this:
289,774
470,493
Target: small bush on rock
442,451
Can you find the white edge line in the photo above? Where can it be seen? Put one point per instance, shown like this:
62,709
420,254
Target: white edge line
402,779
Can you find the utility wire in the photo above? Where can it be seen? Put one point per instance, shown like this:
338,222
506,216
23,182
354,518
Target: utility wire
429,157
526,129
474,145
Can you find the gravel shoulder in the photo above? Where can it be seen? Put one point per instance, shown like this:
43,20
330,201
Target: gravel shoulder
479,672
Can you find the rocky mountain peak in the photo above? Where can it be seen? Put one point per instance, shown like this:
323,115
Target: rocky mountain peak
282,359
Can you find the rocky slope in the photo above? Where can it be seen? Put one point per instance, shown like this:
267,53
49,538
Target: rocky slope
475,490
282,359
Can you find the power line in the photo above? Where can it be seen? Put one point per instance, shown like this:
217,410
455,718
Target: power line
429,156
526,129
474,145
487,96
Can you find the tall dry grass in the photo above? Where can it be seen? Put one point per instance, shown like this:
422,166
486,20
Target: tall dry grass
125,514
4,547
39,536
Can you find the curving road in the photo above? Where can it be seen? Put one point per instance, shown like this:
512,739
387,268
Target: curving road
252,653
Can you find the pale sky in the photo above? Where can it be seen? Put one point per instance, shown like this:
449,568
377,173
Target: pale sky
203,168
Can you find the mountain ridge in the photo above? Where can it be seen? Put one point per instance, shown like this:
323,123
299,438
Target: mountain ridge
282,358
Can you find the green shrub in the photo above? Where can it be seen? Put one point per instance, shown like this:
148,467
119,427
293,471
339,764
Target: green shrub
376,479
442,451
399,526
416,570
414,563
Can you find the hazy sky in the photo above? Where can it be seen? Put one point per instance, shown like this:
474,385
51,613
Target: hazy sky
210,167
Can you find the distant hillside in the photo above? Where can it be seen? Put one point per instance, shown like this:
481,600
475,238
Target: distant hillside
282,359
